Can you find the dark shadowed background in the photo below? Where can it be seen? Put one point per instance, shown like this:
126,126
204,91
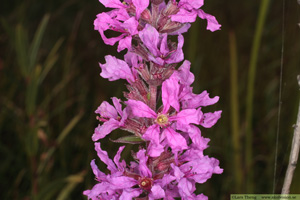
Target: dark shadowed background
50,87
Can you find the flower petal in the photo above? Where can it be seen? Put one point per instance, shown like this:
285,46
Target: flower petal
107,111
106,128
170,91
184,16
150,37
152,134
112,4
98,174
177,56
104,158
187,116
157,192
130,193
210,119
121,165
140,6
115,69
140,109
144,170
212,23
155,150
176,141
183,74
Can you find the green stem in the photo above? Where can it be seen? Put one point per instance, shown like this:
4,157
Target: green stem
250,90
238,174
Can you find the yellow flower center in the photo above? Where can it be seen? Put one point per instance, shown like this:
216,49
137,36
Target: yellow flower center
162,120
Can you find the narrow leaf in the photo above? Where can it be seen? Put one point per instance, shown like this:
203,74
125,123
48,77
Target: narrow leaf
129,140
35,45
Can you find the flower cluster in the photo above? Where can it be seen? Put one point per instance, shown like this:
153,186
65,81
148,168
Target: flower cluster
161,110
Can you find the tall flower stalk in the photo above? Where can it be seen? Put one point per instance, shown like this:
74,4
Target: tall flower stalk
160,111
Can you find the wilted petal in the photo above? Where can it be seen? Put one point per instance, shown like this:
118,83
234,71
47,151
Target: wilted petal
115,69
140,6
140,109
144,170
106,128
210,119
104,158
175,140
212,23
150,38
170,91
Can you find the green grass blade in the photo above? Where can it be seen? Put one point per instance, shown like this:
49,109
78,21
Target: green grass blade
250,91
21,46
68,128
234,105
35,45
50,60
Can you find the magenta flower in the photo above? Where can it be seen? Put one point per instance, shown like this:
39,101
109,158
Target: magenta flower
123,183
112,116
111,186
157,46
188,11
115,69
119,20
196,168
163,130
111,21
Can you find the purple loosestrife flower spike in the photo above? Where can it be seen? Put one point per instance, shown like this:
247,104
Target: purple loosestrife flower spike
171,162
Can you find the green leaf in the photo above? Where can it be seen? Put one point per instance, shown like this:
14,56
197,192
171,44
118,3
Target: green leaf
21,47
50,60
35,45
129,140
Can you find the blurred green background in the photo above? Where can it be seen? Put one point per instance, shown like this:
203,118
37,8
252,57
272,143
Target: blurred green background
50,87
